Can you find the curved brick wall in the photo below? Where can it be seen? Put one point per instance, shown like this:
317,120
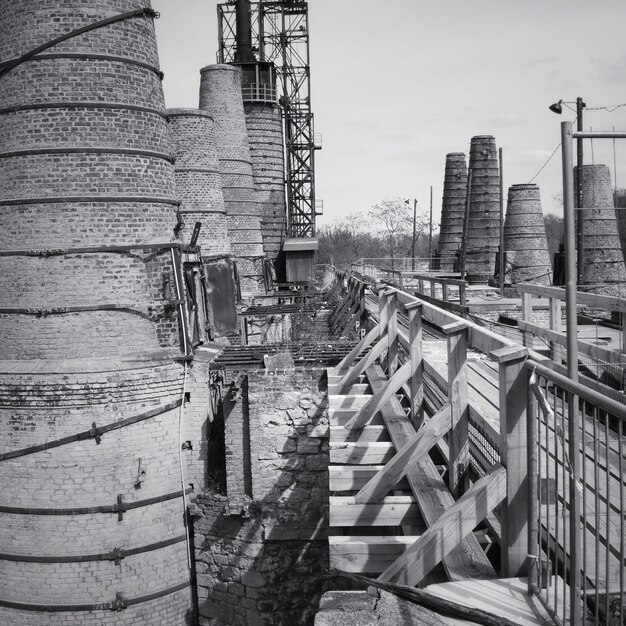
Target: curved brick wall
603,264
525,242
198,179
483,231
88,334
265,133
452,208
220,96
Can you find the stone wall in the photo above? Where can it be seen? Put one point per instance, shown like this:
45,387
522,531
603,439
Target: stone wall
261,556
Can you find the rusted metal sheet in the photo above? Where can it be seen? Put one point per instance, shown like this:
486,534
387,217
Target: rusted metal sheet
221,291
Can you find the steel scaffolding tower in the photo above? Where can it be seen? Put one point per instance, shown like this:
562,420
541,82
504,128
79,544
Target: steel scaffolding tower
280,35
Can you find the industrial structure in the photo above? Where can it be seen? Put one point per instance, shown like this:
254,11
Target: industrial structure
193,431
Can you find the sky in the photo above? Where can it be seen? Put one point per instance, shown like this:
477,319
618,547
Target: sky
398,84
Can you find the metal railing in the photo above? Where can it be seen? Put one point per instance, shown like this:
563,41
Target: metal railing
577,496
259,92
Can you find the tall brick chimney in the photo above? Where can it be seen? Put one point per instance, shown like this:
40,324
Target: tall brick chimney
452,208
91,508
220,96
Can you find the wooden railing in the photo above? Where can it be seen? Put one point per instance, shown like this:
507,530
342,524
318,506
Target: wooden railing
535,401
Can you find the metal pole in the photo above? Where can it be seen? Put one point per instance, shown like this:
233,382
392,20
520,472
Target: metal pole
580,105
430,231
414,225
501,257
572,368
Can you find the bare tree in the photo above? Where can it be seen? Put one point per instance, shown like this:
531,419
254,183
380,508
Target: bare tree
394,218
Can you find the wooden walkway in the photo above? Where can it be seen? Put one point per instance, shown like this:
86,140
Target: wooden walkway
395,513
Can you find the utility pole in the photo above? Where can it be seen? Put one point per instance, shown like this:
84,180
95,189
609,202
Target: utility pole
413,240
430,231
501,255
580,105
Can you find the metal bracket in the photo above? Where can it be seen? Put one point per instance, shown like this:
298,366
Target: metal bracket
117,554
121,508
94,434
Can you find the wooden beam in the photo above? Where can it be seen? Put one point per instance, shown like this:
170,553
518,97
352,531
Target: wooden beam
392,332
417,446
379,399
363,364
458,463
448,531
416,379
367,434
514,457
346,362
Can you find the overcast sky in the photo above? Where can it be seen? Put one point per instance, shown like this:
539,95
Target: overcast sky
398,84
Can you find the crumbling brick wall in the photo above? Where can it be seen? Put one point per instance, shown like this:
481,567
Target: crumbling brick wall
262,559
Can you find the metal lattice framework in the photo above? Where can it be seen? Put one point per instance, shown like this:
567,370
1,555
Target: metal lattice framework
281,33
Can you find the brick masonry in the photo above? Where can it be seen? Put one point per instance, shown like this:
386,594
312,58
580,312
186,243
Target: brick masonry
75,177
261,550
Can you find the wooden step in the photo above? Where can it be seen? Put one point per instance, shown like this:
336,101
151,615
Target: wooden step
366,434
356,401
377,452
352,390
333,380
339,417
367,554
390,511
355,477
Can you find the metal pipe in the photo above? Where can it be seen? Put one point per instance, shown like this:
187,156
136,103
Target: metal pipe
599,134
243,16
501,256
572,365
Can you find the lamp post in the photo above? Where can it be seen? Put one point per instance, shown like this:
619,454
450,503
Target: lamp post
558,108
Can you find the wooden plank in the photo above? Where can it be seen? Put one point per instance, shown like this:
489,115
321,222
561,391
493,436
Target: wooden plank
367,554
379,398
365,434
353,477
417,445
356,401
392,511
362,453
447,532
433,498
357,389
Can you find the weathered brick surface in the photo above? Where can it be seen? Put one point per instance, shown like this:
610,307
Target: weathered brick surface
87,156
220,96
198,178
265,133
267,565
452,208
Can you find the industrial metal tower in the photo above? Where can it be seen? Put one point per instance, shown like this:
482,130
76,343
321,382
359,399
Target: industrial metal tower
280,35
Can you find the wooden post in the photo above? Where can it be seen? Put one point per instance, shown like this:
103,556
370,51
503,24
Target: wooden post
382,311
433,288
420,285
527,315
622,318
444,291
416,382
458,460
392,332
514,457
555,324
462,294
